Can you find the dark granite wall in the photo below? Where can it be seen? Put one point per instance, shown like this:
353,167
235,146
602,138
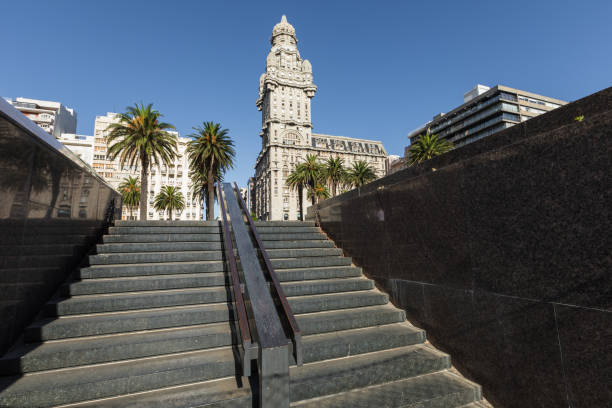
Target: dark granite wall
502,251
52,209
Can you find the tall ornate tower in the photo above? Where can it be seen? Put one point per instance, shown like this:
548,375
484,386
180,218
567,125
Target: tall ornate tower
285,90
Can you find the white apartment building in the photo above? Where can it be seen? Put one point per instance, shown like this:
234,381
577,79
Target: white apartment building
81,145
177,174
53,117
285,90
392,158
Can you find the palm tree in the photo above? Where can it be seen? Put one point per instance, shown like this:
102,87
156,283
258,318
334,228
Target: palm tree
313,172
169,198
427,147
139,136
319,192
334,173
296,181
211,152
361,173
130,192
199,185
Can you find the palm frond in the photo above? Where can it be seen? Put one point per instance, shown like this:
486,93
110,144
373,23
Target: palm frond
427,147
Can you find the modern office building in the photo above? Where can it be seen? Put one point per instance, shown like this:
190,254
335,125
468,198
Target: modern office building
285,91
53,117
81,145
485,111
177,174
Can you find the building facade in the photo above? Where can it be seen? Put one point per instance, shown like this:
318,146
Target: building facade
53,117
285,92
389,162
486,111
177,174
81,145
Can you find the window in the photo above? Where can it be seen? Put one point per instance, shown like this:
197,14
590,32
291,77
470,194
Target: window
509,107
511,116
508,97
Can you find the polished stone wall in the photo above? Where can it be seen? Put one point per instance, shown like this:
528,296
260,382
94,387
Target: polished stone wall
502,251
52,209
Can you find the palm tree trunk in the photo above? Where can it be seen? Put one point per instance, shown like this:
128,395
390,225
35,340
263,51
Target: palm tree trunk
210,214
333,188
131,212
170,213
144,186
301,200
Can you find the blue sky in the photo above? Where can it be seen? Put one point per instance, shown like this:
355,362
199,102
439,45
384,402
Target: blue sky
382,68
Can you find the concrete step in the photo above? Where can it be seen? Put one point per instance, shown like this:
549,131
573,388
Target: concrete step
435,390
345,319
341,294
335,301
323,272
310,262
115,302
144,283
50,388
165,230
100,349
284,223
334,286
124,322
159,247
154,257
302,252
308,236
163,223
269,229
345,343
167,237
150,269
224,393
90,286
319,243
319,321
325,378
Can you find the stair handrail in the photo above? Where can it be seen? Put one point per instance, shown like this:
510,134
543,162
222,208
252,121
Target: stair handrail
296,334
243,321
267,326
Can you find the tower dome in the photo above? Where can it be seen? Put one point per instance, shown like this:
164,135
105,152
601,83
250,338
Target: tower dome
283,28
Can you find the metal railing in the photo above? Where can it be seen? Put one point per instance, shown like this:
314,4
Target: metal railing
239,308
291,323
269,346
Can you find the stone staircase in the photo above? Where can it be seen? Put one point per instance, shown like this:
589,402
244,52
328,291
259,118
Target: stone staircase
149,324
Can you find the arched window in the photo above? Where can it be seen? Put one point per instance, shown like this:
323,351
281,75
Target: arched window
291,138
